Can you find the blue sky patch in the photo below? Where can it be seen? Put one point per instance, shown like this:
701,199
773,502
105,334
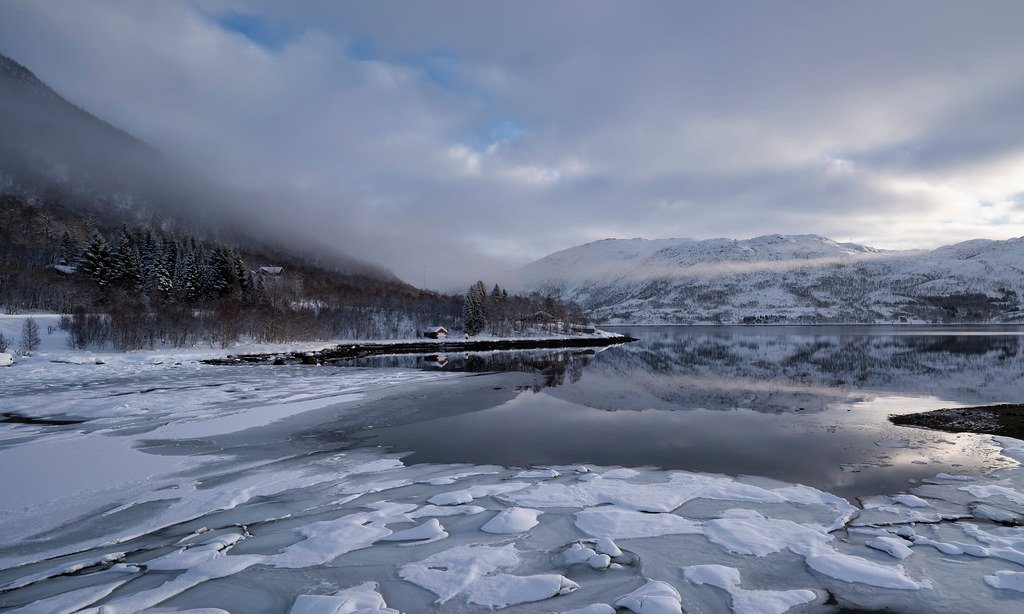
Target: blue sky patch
506,130
257,29
362,50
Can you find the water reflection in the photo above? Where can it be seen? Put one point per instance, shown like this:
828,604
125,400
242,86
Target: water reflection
790,368
806,405
556,367
773,370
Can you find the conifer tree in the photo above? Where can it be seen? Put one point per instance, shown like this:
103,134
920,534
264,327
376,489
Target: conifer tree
169,256
496,309
223,278
30,336
148,257
163,285
260,292
95,262
125,261
192,289
133,270
68,249
246,285
181,275
475,313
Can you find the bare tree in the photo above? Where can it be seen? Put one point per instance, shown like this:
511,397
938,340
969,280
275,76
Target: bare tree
30,336
3,343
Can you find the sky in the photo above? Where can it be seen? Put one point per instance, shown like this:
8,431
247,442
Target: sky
455,140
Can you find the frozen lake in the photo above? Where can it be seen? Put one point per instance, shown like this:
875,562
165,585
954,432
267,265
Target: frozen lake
711,469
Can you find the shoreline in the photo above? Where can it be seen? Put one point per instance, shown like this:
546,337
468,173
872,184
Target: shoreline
922,325
1005,420
362,350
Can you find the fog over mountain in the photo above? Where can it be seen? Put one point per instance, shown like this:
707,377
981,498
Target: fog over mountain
54,152
464,139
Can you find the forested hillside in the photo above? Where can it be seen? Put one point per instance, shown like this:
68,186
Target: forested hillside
165,287
141,252
98,222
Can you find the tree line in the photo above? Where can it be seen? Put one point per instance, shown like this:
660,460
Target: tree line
501,314
140,284
162,269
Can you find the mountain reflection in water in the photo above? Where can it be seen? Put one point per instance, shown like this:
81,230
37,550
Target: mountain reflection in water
801,404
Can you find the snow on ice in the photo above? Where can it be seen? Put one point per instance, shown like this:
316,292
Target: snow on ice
512,520
747,601
655,597
150,502
361,599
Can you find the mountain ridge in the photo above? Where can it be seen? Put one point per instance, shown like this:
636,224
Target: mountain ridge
782,279
55,154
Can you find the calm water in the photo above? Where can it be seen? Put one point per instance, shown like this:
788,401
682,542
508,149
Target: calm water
800,404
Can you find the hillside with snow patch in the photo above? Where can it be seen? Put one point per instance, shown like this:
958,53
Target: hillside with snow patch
782,279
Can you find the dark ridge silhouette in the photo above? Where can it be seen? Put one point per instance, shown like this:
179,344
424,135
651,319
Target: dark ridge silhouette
54,152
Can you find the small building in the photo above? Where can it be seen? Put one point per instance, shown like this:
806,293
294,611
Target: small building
542,317
273,271
436,332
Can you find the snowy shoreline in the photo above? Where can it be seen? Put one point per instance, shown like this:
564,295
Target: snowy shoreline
1006,420
1016,326
363,349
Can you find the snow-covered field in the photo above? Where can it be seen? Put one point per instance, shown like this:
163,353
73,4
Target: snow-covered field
188,487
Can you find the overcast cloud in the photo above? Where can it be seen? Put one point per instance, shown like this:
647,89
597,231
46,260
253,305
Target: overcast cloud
471,137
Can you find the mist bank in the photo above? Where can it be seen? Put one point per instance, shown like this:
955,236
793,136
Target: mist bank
53,153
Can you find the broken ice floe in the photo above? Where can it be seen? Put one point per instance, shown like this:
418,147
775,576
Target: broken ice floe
512,520
479,572
460,497
894,546
655,597
542,474
753,527
361,599
473,538
1010,580
579,554
430,530
748,601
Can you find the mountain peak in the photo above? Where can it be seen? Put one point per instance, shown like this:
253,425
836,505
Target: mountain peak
779,278
13,71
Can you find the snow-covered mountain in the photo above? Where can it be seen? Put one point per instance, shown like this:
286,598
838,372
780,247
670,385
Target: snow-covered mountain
779,278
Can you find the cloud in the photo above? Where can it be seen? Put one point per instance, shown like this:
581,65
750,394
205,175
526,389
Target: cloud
470,138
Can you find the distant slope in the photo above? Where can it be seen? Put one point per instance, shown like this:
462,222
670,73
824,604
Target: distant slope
778,278
55,154
50,149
